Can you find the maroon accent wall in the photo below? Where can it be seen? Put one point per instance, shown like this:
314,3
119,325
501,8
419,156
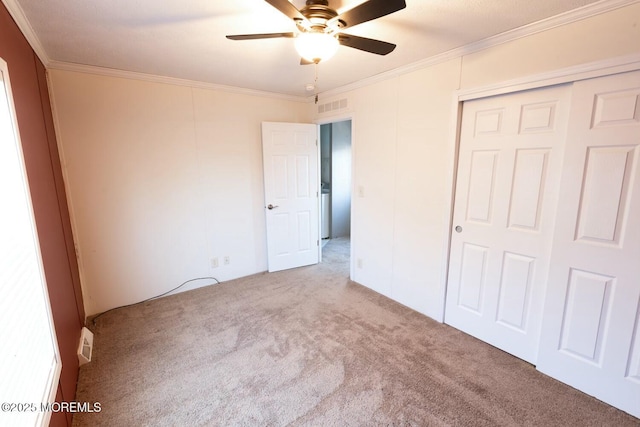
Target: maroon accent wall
35,122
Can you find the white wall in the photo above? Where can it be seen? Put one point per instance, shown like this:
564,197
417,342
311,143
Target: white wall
161,178
400,129
325,153
402,145
341,179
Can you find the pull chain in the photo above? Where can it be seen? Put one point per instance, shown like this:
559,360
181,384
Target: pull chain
315,82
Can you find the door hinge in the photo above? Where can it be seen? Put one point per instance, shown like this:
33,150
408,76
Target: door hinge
317,242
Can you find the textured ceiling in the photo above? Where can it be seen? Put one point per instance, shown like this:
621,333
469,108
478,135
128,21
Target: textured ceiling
186,38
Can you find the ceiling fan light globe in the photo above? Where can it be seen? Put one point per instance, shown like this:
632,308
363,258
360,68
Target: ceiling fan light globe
316,47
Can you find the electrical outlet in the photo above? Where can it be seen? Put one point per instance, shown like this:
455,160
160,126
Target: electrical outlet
214,262
359,262
227,260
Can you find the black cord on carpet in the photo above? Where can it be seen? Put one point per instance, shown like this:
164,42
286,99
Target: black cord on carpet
152,298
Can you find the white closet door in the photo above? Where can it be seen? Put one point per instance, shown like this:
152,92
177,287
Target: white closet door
506,195
591,329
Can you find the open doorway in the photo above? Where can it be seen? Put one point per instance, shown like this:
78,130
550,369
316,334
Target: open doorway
335,177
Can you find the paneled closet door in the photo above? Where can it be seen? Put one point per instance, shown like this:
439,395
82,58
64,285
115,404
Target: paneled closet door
591,328
510,157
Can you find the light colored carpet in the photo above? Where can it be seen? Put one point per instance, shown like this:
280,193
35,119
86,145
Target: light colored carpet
309,347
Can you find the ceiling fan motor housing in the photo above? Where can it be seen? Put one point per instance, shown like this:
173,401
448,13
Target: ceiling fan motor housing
318,13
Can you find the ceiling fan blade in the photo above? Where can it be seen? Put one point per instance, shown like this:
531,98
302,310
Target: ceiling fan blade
367,11
261,36
287,8
306,62
368,45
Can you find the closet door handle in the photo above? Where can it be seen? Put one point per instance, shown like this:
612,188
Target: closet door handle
271,206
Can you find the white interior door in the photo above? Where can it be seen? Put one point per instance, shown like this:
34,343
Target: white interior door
591,328
511,148
290,156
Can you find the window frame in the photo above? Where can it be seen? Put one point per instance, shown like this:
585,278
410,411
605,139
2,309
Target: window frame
51,387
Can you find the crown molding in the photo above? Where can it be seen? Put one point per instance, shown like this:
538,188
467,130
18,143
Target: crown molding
16,12
132,75
569,17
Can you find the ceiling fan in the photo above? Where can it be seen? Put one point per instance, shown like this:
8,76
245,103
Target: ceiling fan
320,28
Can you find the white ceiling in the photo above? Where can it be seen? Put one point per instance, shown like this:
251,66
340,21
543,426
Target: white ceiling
186,38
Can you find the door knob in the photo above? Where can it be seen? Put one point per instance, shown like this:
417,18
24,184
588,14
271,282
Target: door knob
458,229
271,206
